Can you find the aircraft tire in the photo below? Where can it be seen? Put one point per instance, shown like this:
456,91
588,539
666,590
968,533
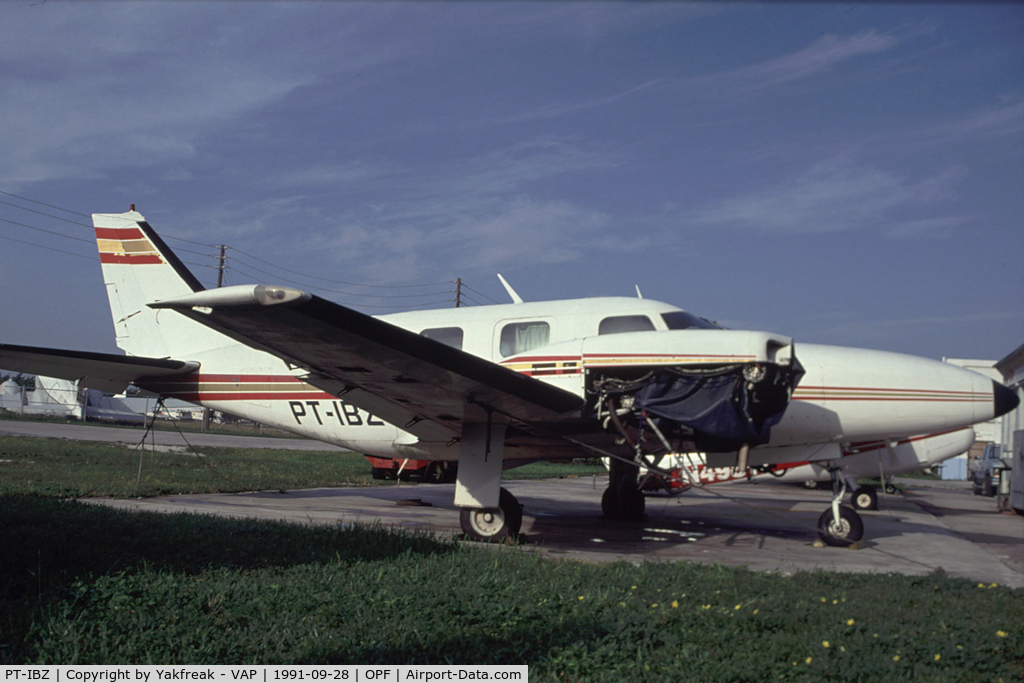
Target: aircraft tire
432,473
449,473
988,488
865,498
493,525
844,533
625,501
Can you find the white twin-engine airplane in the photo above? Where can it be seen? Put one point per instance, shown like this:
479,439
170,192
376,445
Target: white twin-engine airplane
495,386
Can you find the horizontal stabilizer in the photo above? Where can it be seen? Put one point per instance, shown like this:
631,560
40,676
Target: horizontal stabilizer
107,372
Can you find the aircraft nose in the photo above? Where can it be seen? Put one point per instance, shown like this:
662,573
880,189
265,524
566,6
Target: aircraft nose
1004,399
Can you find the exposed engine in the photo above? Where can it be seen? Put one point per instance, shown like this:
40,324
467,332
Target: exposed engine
716,409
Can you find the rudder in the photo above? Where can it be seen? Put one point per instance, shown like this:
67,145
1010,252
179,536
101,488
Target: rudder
138,269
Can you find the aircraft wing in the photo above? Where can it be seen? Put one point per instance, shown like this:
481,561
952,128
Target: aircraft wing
104,371
416,383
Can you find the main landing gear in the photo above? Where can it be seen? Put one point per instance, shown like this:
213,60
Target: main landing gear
493,525
623,500
865,498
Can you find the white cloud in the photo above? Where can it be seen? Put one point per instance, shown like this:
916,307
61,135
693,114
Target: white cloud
824,55
1005,118
555,109
832,196
90,87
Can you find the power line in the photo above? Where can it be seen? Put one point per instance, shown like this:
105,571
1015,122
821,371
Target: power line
49,206
480,293
403,303
48,215
50,232
223,266
466,297
337,291
337,282
41,246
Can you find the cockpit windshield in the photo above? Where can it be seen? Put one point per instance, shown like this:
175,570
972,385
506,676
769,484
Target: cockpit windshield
681,320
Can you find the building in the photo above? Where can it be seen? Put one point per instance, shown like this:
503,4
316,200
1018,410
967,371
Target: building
1012,370
959,468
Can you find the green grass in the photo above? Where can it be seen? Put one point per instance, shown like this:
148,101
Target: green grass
161,424
87,584
61,467
552,470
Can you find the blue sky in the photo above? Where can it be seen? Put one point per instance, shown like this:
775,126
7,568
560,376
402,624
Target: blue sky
848,174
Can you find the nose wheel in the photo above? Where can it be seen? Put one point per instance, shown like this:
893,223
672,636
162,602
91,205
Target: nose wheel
840,526
493,525
842,531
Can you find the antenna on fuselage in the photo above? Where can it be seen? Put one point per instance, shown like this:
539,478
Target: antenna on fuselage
516,299
639,295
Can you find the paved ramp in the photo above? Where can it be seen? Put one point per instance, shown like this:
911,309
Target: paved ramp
767,528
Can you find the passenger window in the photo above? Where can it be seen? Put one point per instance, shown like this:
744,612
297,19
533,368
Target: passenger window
521,337
452,336
625,323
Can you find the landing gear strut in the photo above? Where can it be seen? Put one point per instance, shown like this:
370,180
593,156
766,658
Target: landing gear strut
840,526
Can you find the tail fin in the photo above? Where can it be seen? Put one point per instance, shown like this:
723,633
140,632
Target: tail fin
139,269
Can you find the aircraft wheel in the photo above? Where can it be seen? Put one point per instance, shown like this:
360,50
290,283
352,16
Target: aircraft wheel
865,498
842,533
988,488
891,489
449,473
432,473
811,484
493,525
624,501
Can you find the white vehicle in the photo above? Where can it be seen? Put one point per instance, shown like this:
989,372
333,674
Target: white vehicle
987,470
495,386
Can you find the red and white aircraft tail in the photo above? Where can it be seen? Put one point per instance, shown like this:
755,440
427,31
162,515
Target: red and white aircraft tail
140,269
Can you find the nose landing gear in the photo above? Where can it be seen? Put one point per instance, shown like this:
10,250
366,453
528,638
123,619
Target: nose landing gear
840,526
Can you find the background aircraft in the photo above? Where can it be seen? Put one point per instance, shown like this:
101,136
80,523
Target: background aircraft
495,386
869,459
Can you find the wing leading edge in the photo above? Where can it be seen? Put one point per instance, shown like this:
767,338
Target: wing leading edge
416,383
104,371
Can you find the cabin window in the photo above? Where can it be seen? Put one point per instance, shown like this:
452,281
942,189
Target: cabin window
521,337
681,320
625,323
452,336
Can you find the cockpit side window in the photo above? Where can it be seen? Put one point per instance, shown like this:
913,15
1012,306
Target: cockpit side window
625,323
452,336
521,337
681,320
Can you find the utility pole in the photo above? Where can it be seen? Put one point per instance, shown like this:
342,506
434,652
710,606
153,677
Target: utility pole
221,262
458,292
220,265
